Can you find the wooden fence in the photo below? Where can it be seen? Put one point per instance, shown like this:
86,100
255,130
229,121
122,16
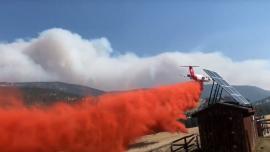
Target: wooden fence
188,143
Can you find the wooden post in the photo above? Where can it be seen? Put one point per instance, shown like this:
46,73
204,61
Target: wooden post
185,145
197,142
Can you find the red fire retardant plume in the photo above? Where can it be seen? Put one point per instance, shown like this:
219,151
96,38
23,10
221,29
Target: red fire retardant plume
106,123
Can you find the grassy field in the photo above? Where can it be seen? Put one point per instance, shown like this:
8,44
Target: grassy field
159,142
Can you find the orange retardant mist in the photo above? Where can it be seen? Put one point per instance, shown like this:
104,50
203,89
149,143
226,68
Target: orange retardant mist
106,123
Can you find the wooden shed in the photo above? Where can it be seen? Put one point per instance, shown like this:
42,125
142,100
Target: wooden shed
227,127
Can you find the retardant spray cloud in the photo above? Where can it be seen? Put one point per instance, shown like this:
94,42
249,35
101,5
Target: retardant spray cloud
106,123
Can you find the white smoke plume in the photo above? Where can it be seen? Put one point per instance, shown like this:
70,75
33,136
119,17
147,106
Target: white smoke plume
59,55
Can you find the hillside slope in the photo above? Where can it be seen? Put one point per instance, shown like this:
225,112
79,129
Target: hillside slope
251,93
50,92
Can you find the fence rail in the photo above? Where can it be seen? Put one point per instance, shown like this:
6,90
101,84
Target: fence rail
188,143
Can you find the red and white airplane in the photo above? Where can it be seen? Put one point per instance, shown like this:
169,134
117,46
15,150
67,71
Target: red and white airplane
196,77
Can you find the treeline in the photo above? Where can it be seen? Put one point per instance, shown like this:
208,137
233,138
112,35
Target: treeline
263,109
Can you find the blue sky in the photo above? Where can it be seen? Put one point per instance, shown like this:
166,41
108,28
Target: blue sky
240,30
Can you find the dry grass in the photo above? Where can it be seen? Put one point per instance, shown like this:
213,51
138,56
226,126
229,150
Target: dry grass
267,116
158,142
263,144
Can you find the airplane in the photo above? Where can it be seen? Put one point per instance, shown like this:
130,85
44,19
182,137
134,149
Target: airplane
196,77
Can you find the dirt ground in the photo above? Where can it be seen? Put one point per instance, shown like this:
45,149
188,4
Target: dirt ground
263,145
159,142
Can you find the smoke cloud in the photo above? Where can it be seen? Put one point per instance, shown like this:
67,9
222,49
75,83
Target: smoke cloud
60,55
